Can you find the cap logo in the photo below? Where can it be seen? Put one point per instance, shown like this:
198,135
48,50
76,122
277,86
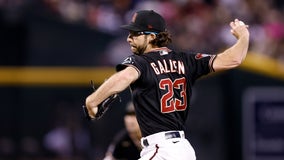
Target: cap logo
150,26
134,17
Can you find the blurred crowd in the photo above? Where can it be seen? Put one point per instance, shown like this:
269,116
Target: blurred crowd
66,137
201,25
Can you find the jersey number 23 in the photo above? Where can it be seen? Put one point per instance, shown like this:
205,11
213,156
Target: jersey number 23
169,101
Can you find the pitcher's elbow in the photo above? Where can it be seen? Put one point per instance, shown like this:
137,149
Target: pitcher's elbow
88,102
239,62
234,63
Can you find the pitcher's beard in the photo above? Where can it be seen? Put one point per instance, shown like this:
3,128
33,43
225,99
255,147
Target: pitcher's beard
140,50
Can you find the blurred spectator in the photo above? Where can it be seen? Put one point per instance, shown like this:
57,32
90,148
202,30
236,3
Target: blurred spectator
111,16
267,29
68,139
116,51
126,143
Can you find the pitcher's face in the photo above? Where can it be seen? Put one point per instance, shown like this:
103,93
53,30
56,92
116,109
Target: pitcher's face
139,41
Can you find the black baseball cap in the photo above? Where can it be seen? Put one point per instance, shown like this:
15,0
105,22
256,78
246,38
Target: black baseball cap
146,20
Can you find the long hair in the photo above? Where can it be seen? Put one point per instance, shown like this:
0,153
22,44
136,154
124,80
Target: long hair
162,39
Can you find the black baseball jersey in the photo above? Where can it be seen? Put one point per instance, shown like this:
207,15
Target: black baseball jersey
161,94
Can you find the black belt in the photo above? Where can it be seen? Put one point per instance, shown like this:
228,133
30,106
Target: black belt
168,135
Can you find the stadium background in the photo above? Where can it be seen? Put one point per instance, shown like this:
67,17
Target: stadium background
50,50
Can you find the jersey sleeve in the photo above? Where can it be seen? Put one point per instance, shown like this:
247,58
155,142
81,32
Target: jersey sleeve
132,61
200,64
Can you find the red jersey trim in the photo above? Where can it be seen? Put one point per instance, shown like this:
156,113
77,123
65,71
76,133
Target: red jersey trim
157,148
211,61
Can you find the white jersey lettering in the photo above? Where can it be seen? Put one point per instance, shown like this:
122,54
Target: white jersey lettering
155,68
170,66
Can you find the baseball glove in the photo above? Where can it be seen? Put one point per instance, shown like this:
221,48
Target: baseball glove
102,107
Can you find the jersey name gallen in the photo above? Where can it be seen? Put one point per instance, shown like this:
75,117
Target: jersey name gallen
162,67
